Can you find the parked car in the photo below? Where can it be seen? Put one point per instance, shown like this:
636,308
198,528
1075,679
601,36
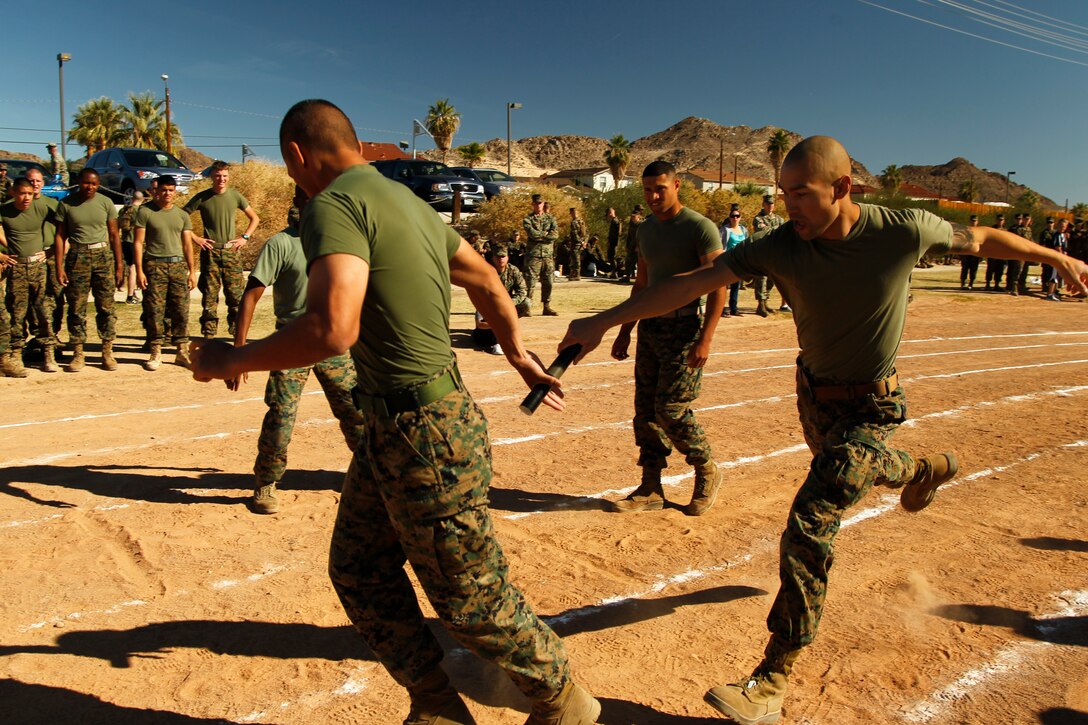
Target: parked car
494,181
53,186
432,181
125,170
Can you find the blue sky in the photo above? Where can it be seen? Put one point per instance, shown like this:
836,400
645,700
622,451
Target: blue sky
891,88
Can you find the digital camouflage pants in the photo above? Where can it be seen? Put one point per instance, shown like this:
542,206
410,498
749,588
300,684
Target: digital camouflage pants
282,394
664,390
219,268
54,302
417,491
24,298
542,268
90,271
167,294
849,443
5,316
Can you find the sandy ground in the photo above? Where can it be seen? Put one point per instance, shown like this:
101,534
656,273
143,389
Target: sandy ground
138,588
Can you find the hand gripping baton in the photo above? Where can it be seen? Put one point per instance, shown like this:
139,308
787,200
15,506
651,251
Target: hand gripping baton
558,367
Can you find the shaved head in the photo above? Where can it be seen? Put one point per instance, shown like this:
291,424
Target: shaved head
822,157
319,126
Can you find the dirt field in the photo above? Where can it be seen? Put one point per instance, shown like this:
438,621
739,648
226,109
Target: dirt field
138,588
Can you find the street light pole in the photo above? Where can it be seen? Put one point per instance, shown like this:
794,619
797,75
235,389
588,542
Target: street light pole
509,107
1007,175
169,141
61,58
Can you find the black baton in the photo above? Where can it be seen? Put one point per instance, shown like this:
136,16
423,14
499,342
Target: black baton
558,367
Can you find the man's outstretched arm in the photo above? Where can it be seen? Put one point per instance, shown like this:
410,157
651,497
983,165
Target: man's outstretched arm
1001,244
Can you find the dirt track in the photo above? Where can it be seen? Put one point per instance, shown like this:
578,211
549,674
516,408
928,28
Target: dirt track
140,589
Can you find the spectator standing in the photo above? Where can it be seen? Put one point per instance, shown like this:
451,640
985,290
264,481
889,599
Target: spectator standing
541,231
764,221
733,234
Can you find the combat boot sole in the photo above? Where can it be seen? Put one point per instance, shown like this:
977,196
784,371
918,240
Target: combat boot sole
446,708
573,706
735,702
932,472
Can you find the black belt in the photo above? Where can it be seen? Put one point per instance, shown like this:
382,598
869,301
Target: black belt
406,399
167,260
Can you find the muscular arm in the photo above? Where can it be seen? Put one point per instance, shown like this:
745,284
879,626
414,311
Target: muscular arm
60,241
115,244
254,220
187,253
254,291
656,299
715,303
469,270
330,325
1001,244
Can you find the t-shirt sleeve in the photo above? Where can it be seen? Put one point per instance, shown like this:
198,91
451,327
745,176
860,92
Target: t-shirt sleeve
140,220
708,240
60,216
453,241
243,203
194,203
269,264
111,211
934,233
334,224
188,227
751,259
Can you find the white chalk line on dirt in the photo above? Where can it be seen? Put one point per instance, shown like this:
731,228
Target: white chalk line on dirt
792,351
799,448
1009,659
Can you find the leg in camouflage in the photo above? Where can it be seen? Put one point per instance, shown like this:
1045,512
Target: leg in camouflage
53,304
574,266
337,377
103,285
77,265
532,274
234,284
177,302
25,293
158,282
849,441
282,393
417,490
209,282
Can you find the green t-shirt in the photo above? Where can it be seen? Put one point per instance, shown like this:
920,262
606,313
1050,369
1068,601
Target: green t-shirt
49,230
282,266
674,246
404,329
217,212
23,229
163,229
849,296
87,220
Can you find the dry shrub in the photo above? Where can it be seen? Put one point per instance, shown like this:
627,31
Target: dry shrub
269,190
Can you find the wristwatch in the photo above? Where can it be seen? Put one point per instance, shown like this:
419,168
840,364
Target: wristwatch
245,237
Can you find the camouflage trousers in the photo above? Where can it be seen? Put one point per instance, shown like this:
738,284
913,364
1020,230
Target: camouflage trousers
219,268
54,302
5,316
90,271
282,394
664,390
630,262
574,262
540,268
23,298
849,443
167,294
417,491
763,286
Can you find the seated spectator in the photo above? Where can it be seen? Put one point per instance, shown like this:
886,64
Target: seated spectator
512,279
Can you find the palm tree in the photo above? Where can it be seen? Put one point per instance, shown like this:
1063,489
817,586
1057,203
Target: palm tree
145,124
1080,210
891,177
443,120
617,156
777,146
472,153
969,190
98,125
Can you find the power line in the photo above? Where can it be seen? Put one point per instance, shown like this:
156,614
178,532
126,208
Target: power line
973,35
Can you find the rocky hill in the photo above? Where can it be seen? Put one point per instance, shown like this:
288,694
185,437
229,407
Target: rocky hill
946,179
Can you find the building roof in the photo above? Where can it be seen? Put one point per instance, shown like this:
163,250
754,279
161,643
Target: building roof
714,176
378,151
575,173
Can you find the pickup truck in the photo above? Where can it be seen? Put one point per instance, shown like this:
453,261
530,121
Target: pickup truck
433,182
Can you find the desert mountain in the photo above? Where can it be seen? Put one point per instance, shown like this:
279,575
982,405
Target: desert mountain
946,179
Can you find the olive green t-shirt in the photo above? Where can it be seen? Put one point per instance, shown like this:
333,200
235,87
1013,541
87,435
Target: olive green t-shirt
282,266
849,296
218,212
87,220
163,229
23,229
404,329
675,245
49,230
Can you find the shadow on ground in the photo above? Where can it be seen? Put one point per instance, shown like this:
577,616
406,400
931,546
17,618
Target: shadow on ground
1051,543
1071,631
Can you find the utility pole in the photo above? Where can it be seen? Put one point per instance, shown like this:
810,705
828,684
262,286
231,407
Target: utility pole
169,141
61,59
1007,175
511,106
721,162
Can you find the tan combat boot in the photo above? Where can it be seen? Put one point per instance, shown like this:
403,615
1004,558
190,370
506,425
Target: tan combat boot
109,362
708,479
549,312
264,499
761,308
11,364
649,496
153,362
929,474
182,358
435,702
76,363
49,364
757,700
572,706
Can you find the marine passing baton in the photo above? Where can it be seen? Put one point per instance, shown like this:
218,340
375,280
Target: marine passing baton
559,366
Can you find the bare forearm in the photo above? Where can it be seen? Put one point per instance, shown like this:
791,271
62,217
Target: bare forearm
669,294
245,314
303,341
715,303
